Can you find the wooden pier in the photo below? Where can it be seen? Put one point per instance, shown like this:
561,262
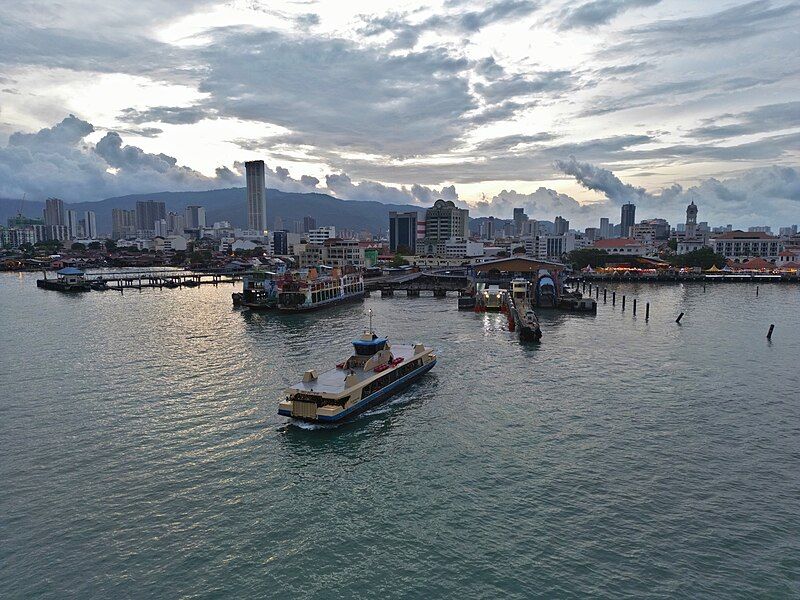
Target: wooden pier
138,280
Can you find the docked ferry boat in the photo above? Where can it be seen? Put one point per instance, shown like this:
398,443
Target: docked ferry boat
304,294
521,308
374,372
259,291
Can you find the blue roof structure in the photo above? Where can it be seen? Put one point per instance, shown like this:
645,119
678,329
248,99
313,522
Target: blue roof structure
70,271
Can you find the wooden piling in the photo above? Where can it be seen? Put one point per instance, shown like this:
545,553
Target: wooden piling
769,333
605,292
623,301
613,298
634,307
756,290
647,312
678,320
597,292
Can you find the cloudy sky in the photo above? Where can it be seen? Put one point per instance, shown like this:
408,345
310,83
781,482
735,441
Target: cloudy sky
562,107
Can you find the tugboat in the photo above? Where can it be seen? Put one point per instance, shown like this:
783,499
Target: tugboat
375,371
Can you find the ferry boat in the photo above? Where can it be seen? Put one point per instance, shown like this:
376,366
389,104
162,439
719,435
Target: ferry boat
525,320
304,294
493,298
374,372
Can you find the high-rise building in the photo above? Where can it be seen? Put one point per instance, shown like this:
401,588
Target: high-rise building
148,212
605,228
256,196
444,221
403,231
561,225
309,224
123,223
176,222
691,221
519,220
90,225
280,243
54,212
488,229
71,218
195,217
628,219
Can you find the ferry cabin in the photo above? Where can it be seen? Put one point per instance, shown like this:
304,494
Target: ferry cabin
330,288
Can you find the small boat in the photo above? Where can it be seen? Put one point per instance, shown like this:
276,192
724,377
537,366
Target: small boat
375,371
191,283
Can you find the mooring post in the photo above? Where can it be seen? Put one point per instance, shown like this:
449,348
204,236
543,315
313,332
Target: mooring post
597,292
769,333
605,292
756,290
613,298
623,301
647,312
678,320
634,307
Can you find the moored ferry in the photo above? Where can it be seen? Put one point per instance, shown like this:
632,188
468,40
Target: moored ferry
304,294
374,372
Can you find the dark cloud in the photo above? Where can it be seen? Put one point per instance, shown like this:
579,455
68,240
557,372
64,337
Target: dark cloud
406,33
598,12
526,85
173,115
772,117
509,142
732,25
671,91
600,180
336,93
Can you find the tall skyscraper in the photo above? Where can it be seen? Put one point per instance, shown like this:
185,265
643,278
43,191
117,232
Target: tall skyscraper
54,212
309,224
628,219
195,217
123,223
71,218
148,212
403,231
90,225
561,225
256,195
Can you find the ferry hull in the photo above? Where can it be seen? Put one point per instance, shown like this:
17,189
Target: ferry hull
323,304
371,400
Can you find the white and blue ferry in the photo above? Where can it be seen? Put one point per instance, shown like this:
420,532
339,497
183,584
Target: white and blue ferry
374,372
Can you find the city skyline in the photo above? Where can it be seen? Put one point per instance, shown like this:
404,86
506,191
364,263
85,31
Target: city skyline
561,108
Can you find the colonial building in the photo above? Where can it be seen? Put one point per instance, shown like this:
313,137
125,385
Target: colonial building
739,246
623,246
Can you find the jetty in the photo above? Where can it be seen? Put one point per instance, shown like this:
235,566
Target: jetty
134,280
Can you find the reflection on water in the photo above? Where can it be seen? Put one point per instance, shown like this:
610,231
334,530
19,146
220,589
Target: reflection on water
142,454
